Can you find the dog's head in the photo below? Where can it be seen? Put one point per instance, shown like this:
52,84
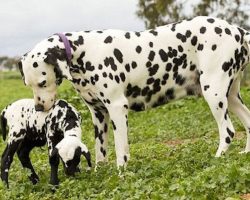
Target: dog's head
70,150
43,69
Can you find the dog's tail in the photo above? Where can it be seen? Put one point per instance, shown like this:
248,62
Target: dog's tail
247,42
3,122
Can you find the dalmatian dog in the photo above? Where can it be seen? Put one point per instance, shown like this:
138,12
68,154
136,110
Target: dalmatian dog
114,71
59,127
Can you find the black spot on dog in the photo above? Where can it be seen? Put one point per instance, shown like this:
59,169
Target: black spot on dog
200,47
202,30
210,20
103,151
155,33
108,39
188,33
237,38
153,70
117,79
163,55
194,40
125,158
218,30
35,65
168,67
122,76
180,48
80,60
206,87
134,64
228,140
137,34
118,55
192,67
113,124
145,91
181,37
230,133
148,64
220,104
151,44
214,47
68,34
150,81
110,76
137,107
89,67
138,49
50,39
104,74
42,84
170,94
127,35
227,65
127,67
99,116
110,61
151,55
79,41
229,86
227,31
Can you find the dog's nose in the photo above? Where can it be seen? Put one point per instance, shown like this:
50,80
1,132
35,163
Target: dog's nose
39,107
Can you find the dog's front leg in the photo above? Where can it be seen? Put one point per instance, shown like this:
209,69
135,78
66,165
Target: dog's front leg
100,118
118,112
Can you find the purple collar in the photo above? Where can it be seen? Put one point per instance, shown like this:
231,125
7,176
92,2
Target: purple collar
66,45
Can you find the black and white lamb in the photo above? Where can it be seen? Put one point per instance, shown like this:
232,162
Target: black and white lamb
59,127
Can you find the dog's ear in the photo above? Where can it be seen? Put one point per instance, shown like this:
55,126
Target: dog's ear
57,57
20,66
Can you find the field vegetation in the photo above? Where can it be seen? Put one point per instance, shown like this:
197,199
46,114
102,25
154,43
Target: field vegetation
172,156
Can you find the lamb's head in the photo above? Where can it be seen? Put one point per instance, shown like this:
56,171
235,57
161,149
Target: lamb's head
70,149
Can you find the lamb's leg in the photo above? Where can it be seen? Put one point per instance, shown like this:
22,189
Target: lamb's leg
23,155
7,158
52,140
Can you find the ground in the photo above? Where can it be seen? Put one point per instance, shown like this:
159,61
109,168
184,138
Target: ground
172,156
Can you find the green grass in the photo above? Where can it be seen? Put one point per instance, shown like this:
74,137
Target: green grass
172,156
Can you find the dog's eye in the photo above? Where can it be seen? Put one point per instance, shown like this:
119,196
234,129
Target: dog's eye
42,84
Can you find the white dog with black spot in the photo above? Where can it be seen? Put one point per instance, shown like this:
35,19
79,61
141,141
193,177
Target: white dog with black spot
114,70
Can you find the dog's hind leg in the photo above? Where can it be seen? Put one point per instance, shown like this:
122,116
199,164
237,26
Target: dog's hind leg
237,106
118,112
215,88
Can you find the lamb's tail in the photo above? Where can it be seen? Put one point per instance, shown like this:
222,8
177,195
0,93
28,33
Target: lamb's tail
3,122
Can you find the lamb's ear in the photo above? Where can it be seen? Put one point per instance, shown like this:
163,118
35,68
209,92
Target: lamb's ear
86,154
57,57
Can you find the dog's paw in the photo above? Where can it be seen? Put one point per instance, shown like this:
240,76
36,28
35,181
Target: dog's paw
99,165
244,152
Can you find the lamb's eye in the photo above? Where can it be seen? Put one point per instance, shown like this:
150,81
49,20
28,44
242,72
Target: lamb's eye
42,84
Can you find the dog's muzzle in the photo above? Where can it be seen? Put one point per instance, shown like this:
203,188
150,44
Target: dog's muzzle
39,107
